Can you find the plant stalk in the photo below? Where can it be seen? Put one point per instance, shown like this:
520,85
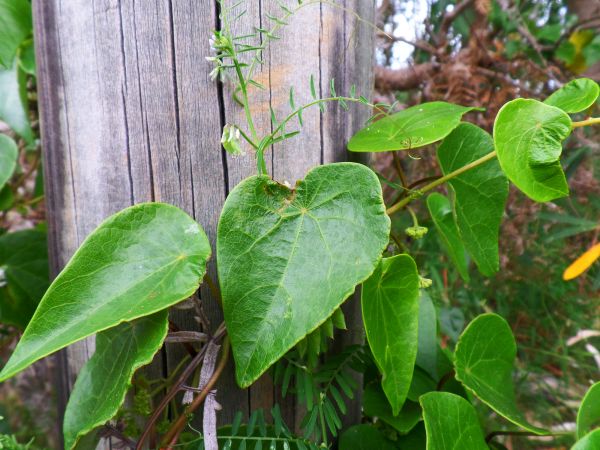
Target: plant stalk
587,122
405,201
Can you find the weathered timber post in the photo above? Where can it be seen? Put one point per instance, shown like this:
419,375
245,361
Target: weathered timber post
129,115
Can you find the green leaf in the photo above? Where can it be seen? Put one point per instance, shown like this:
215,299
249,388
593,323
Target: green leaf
13,101
451,423
413,127
105,379
528,137
575,96
590,441
427,351
15,26
375,404
364,437
24,263
8,158
484,359
441,213
288,258
588,416
27,58
480,193
390,308
138,262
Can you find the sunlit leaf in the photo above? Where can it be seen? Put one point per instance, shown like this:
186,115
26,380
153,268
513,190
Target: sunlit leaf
451,423
138,262
484,362
588,416
528,137
575,96
413,127
590,441
104,380
289,257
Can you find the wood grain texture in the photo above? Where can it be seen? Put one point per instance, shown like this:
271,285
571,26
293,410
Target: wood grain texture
129,114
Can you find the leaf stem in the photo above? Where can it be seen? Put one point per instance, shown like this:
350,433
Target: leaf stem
405,201
173,434
587,122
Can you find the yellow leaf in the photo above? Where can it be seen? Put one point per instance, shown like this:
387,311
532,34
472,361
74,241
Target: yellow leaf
582,263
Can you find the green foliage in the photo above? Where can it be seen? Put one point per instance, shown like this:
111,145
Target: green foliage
364,437
24,275
8,158
480,193
289,258
575,96
104,380
139,261
14,108
451,423
413,127
390,307
375,404
528,137
484,361
15,26
441,212
588,416
590,441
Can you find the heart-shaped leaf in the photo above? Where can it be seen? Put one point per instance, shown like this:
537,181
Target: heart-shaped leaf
138,262
24,263
288,258
8,158
451,423
590,441
588,416
364,437
441,213
484,360
575,96
105,379
390,307
413,127
375,404
15,25
480,193
528,137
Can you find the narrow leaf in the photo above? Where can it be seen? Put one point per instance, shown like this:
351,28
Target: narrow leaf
139,261
390,307
104,380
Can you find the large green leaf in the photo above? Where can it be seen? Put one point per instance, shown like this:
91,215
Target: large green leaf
480,193
484,359
588,416
139,261
528,137
364,437
15,26
390,308
575,96
451,423
8,158
427,352
375,404
441,212
24,265
413,127
105,379
13,101
590,441
288,258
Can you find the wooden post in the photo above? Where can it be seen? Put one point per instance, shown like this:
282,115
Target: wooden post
129,115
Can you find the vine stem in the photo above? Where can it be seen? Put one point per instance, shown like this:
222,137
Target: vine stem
587,122
177,427
494,434
405,201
